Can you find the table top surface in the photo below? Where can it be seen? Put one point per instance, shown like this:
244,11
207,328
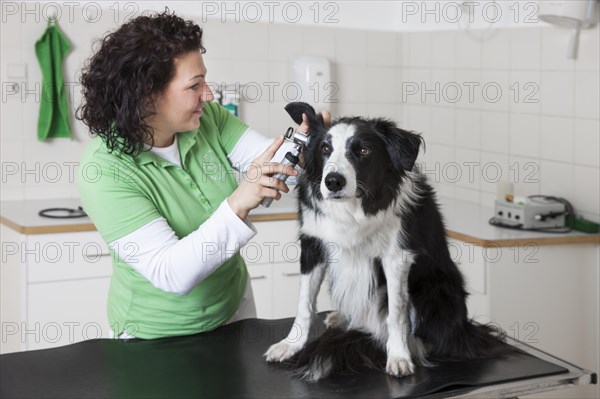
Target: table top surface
228,363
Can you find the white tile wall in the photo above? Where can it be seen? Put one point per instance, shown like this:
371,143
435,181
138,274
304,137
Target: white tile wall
544,126
495,128
382,49
525,173
587,185
468,128
350,47
443,51
554,49
556,93
353,83
587,142
496,51
468,51
525,49
284,42
525,135
442,127
495,90
525,91
418,49
587,100
382,83
589,51
520,104
493,169
318,41
556,178
469,163
556,139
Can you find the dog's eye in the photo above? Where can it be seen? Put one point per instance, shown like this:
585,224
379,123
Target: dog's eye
365,152
326,149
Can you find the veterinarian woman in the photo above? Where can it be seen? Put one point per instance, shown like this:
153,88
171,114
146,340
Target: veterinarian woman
157,181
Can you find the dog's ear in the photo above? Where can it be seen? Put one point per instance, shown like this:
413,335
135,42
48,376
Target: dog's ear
296,109
403,145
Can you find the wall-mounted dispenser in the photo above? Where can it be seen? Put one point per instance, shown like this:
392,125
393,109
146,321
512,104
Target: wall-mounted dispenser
570,14
311,76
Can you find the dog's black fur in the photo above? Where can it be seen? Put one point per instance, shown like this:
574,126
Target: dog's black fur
440,329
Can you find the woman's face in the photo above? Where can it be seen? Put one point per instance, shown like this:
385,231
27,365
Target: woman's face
181,105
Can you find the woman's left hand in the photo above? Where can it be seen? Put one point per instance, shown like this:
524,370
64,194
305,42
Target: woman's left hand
305,126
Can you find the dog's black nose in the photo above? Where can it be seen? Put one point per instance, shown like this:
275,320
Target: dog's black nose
335,182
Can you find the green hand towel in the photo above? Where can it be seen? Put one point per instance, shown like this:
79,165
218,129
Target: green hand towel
51,49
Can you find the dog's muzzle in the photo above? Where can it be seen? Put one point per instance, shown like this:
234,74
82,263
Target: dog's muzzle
335,182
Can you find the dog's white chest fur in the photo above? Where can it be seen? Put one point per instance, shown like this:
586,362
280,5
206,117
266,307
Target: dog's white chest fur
353,240
345,226
353,287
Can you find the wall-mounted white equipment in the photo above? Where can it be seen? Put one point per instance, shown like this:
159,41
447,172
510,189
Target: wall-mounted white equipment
570,14
310,77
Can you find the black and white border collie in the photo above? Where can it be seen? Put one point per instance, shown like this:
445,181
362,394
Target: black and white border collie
369,220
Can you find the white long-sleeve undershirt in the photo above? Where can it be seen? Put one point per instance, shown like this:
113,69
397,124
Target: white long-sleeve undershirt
178,265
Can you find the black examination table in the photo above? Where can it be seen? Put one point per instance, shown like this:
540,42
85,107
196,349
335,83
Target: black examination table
228,363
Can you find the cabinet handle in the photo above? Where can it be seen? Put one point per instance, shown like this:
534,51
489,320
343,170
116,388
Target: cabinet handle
291,274
102,255
258,277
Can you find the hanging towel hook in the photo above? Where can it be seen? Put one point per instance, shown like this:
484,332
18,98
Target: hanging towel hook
52,19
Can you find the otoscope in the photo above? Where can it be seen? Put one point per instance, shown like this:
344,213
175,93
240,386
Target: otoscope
290,159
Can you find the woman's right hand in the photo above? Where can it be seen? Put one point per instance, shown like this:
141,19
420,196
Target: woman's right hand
258,182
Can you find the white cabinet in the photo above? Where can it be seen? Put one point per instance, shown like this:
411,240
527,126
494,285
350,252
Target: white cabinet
543,295
273,259
65,312
54,289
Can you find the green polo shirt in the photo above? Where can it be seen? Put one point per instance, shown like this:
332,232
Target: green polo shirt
121,193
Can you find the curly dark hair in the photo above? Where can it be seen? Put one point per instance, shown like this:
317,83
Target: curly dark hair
130,70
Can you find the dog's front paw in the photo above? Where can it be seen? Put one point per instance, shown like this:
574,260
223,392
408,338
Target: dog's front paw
399,366
282,350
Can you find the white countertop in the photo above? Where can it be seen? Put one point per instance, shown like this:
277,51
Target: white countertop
25,213
464,221
473,220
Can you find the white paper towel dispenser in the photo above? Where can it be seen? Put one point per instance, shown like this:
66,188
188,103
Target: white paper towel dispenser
311,75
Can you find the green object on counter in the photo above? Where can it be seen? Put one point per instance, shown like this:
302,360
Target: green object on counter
51,49
583,225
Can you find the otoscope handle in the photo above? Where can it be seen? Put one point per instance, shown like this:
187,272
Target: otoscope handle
290,160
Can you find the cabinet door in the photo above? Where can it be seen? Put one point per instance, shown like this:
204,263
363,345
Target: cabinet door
471,261
261,279
276,241
65,312
286,288
67,256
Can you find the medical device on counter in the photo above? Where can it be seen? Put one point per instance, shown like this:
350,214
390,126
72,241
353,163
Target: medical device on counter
536,212
539,213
